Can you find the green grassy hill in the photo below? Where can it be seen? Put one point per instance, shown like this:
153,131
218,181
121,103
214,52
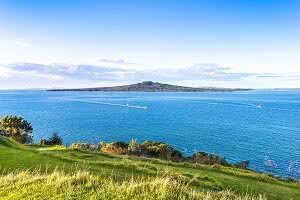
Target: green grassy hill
41,172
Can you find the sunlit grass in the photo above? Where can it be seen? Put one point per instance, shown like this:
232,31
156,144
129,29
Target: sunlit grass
38,163
52,148
83,185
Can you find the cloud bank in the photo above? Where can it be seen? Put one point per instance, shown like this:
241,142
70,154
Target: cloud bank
76,72
117,61
69,75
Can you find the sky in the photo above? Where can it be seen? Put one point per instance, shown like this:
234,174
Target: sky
89,43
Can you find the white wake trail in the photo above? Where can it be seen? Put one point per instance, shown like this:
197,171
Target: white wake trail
106,103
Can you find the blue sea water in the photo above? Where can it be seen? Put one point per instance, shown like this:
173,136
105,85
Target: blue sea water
262,126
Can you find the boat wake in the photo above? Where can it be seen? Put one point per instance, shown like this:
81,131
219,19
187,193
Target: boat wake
107,103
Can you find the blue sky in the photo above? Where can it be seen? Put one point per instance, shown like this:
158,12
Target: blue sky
63,43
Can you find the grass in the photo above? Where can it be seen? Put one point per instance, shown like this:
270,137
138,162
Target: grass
83,185
35,171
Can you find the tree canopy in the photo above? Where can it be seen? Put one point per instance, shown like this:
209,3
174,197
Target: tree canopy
55,139
17,128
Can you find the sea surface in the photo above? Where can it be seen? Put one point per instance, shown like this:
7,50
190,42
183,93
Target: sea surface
262,126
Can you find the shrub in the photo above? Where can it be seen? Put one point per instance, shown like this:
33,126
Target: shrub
153,149
100,145
208,159
160,150
17,128
134,147
55,139
146,149
242,165
115,148
81,146
176,156
291,179
43,142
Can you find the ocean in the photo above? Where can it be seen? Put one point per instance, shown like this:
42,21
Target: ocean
262,126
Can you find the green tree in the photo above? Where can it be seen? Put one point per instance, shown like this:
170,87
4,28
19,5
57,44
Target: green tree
17,128
55,139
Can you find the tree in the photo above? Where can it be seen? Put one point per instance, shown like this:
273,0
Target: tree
17,128
55,139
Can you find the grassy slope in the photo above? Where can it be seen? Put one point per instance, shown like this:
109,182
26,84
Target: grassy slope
83,185
18,157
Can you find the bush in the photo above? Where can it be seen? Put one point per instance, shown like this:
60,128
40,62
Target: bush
75,146
147,149
55,139
115,147
134,147
43,142
17,128
83,146
242,165
208,159
160,150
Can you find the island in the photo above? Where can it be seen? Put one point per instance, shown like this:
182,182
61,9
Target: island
149,86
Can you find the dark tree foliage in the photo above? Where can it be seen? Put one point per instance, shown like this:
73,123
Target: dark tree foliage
160,150
55,139
17,128
243,165
147,149
208,159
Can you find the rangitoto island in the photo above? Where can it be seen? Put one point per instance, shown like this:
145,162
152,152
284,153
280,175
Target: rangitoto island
149,86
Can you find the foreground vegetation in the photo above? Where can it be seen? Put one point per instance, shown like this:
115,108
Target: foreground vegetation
17,128
83,185
43,171
150,149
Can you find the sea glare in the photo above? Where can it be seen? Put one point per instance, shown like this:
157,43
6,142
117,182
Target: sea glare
262,126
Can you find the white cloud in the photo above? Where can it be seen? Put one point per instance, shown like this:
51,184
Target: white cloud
22,44
4,72
204,74
117,62
71,71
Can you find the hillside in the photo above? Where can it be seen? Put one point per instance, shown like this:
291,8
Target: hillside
58,170
149,86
